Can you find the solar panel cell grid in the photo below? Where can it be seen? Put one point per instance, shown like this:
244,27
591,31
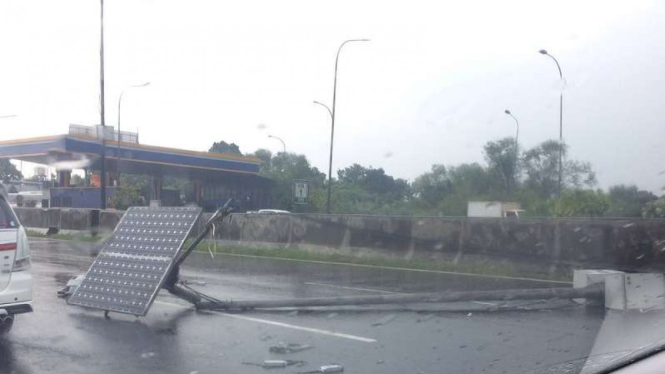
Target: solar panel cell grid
131,267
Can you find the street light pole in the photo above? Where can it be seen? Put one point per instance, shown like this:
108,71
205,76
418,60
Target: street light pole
332,114
544,52
325,106
119,133
517,138
280,139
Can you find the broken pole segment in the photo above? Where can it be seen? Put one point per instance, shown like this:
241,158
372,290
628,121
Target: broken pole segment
591,292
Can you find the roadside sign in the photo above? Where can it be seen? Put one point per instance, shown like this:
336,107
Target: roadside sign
300,191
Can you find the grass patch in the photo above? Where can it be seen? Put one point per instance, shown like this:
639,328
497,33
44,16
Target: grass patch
82,237
465,266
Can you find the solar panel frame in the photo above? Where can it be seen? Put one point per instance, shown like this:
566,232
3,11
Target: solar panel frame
136,260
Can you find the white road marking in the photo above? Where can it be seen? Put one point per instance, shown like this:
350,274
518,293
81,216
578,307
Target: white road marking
354,288
484,303
282,324
301,328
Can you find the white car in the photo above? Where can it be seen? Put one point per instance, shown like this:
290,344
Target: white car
15,275
273,211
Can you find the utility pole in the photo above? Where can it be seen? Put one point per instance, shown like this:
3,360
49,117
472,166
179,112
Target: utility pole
102,174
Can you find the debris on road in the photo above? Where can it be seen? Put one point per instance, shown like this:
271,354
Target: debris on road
271,364
71,286
265,337
167,331
385,320
194,282
425,318
332,368
284,348
147,354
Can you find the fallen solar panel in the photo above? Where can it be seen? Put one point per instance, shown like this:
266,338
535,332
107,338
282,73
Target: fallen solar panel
131,268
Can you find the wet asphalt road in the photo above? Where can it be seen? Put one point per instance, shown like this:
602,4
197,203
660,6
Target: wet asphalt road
174,338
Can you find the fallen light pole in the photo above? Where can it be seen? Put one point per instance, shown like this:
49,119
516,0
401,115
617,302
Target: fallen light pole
144,254
207,303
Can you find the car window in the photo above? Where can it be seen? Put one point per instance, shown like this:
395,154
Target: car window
7,217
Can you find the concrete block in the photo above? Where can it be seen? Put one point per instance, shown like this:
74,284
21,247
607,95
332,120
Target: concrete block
635,291
583,278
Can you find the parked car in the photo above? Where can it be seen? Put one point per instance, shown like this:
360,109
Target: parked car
15,274
273,211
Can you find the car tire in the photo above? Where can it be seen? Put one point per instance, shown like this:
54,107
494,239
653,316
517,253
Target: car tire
6,325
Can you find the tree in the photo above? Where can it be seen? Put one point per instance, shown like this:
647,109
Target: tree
8,171
265,156
367,190
628,201
446,191
374,181
541,165
502,166
76,180
655,209
472,180
468,182
283,169
430,188
134,190
581,203
224,147
126,196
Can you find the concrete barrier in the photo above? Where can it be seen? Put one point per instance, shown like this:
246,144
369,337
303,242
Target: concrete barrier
74,219
66,219
626,244
108,220
36,217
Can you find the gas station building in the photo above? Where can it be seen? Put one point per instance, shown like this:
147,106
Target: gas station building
213,177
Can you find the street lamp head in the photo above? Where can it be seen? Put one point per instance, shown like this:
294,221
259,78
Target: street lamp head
507,111
145,84
270,136
543,52
364,40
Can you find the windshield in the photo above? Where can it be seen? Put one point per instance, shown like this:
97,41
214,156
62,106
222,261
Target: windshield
317,186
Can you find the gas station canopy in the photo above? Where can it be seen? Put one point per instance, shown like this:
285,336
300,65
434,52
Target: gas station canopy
82,151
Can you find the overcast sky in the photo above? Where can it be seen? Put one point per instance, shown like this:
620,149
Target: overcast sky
430,87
